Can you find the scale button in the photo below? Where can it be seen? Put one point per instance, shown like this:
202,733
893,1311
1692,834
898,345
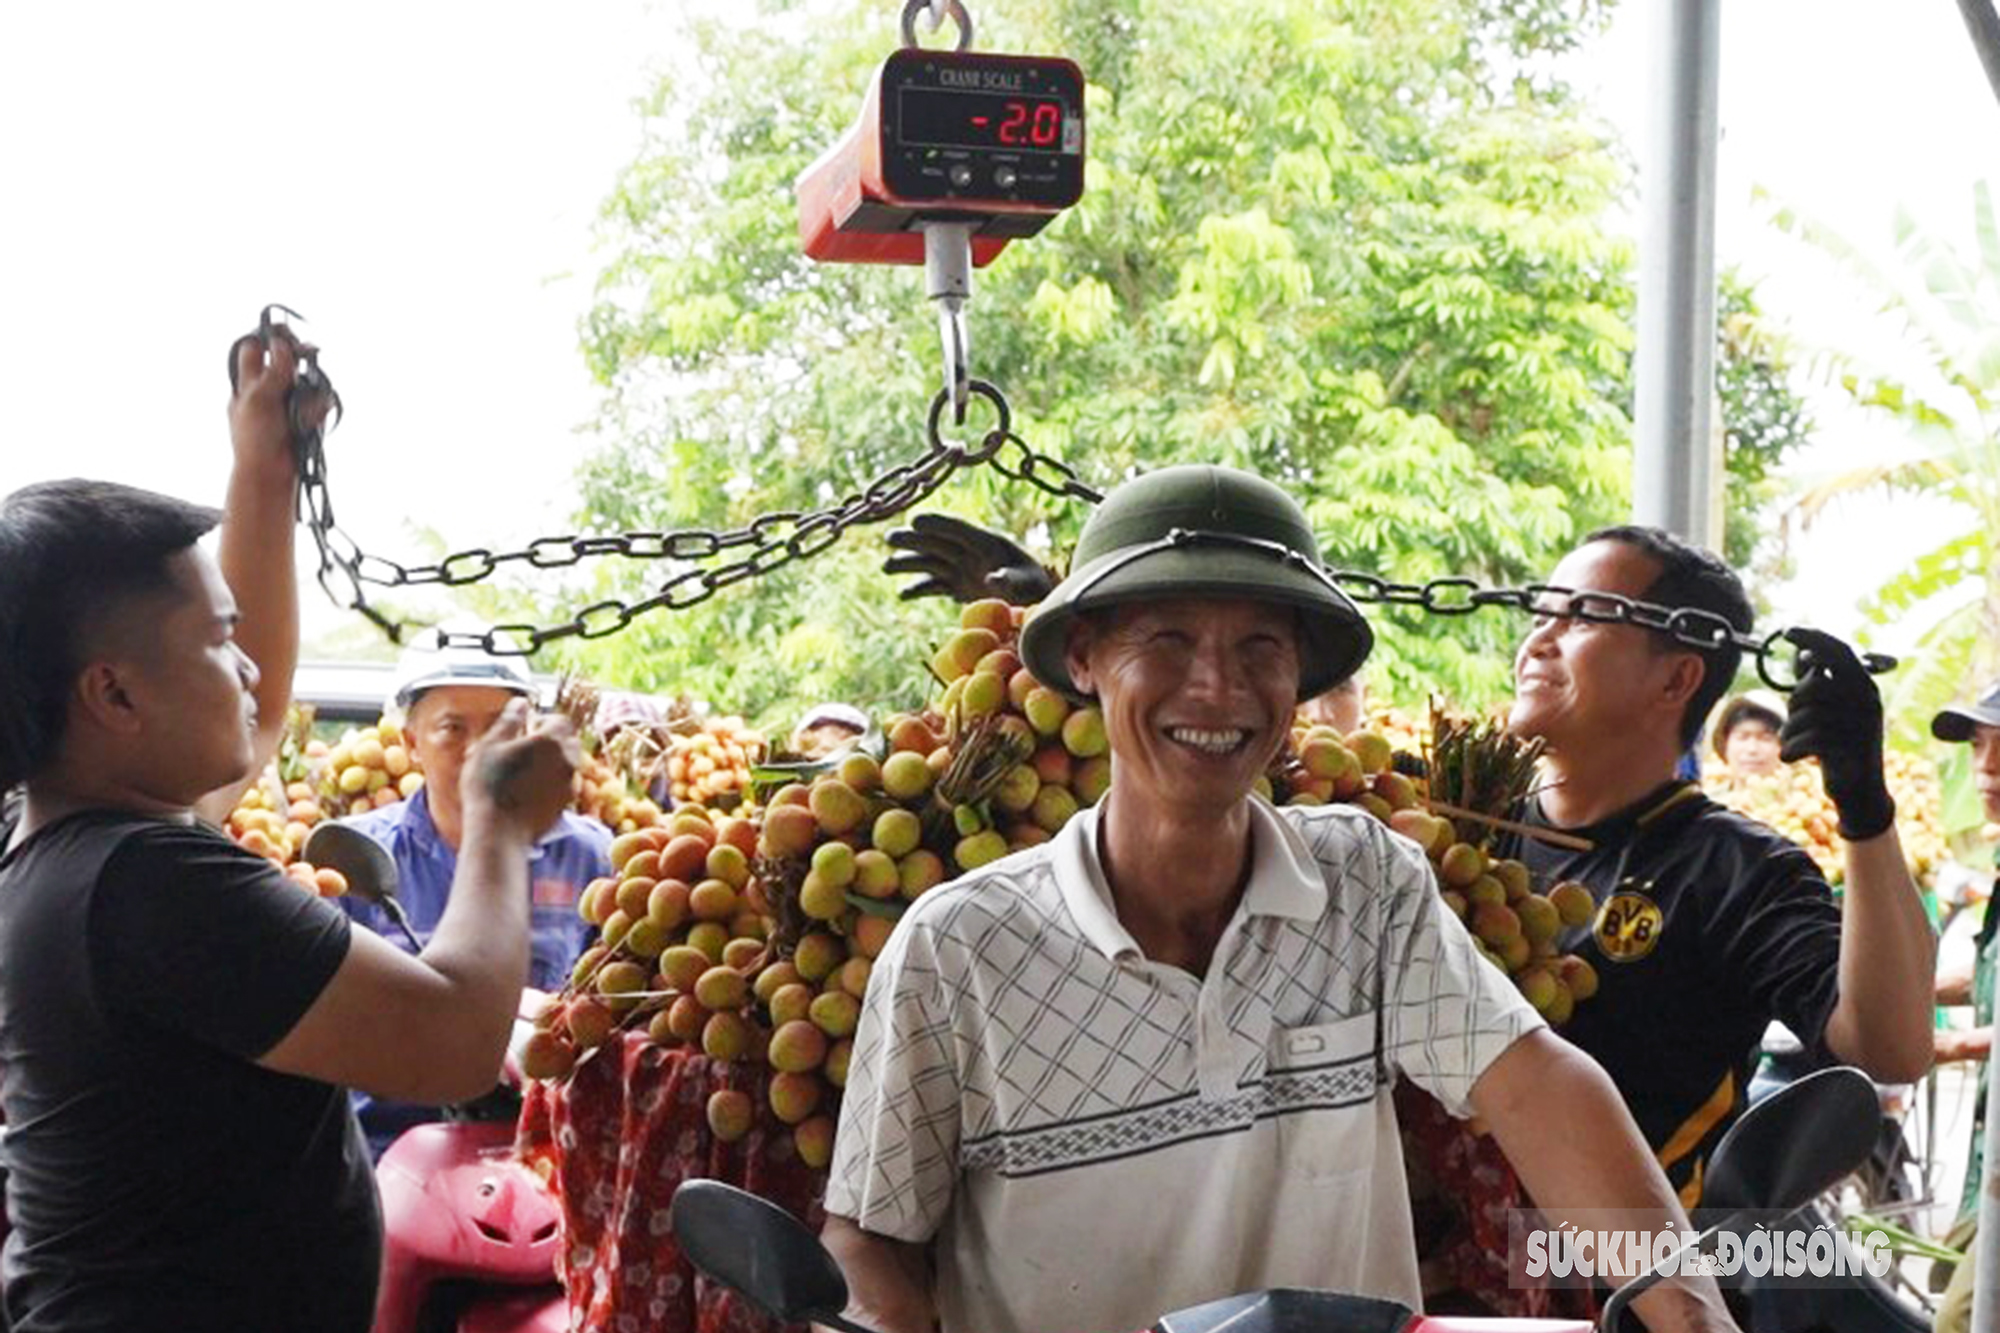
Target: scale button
961,175
1004,177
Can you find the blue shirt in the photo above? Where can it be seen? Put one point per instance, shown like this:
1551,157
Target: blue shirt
562,864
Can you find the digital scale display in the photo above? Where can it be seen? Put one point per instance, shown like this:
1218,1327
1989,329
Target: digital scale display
944,118
960,128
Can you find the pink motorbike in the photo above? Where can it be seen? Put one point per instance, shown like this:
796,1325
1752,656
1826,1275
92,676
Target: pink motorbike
470,1235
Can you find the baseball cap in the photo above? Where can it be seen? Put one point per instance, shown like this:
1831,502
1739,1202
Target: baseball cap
422,669
620,709
1957,722
842,715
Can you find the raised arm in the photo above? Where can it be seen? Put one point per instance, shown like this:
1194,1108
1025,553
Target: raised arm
256,549
433,1028
1888,951
1882,1021
1954,986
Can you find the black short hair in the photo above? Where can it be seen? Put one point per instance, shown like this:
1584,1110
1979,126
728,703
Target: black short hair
1692,577
71,553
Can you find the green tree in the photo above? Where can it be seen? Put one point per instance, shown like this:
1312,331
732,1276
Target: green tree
1355,246
1765,423
1945,406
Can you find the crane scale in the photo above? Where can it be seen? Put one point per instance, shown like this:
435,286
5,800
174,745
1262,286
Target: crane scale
955,153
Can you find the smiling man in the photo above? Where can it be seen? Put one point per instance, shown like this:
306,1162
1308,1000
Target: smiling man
1709,924
1148,1064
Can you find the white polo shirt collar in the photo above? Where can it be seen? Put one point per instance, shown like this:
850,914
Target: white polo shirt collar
1285,880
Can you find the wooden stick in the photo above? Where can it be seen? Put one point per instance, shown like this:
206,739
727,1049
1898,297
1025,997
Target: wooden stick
1549,836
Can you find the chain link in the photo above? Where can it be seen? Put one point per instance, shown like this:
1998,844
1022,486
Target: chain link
1049,474
768,542
775,540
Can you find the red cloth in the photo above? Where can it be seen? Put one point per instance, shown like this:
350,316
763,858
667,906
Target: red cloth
615,1140
1478,1189
630,1125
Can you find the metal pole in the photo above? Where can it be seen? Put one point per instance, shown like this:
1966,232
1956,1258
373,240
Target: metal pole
1674,479
1986,1243
1982,20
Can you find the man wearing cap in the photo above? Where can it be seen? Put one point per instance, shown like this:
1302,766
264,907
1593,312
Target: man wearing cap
1746,734
1979,725
619,712
828,729
448,699
1709,925
1148,1064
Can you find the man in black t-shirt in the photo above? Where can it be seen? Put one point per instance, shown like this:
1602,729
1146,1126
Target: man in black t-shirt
1708,924
177,1018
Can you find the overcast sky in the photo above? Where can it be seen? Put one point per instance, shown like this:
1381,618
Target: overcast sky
421,179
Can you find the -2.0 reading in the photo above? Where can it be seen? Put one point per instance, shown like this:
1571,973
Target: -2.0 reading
980,120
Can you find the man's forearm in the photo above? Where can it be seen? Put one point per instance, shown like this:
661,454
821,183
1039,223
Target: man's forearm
481,943
887,1282
1888,962
256,556
1569,1137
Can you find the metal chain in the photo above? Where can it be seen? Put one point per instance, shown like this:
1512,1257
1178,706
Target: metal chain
1700,629
1049,474
768,542
774,540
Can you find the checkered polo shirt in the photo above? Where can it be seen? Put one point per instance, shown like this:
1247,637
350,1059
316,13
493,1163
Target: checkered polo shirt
1094,1139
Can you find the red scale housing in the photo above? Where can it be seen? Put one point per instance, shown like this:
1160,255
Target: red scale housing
947,136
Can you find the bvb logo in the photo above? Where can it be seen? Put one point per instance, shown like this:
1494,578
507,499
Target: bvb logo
1628,927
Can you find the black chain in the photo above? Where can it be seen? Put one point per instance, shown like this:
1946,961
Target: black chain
1704,630
768,542
774,540
1050,474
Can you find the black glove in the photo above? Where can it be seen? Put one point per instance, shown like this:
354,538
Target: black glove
965,562
1836,717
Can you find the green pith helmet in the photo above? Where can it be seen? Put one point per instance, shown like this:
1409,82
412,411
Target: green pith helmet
1201,531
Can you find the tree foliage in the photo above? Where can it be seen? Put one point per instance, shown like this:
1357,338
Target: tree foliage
1764,423
1945,405
1353,245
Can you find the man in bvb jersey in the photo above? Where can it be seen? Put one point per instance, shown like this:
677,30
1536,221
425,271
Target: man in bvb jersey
1148,1064
178,1021
1710,925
